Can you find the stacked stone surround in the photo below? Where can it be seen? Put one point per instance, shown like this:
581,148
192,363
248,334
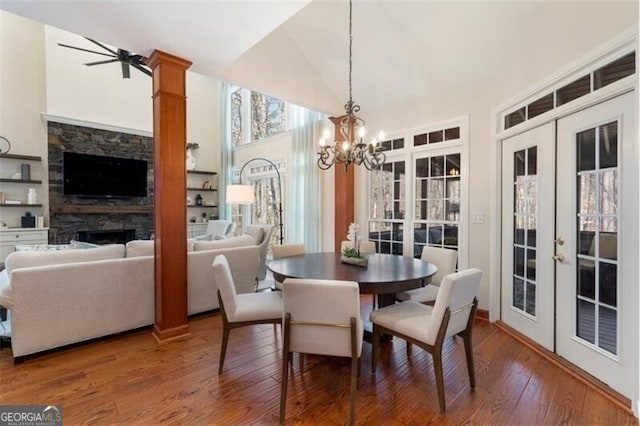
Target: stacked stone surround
85,140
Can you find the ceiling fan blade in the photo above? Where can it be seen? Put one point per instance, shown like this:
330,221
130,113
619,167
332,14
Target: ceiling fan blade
108,61
125,70
85,50
141,68
102,45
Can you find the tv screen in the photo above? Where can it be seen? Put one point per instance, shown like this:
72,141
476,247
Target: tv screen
101,176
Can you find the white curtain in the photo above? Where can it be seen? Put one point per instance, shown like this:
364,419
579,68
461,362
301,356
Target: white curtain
303,202
226,147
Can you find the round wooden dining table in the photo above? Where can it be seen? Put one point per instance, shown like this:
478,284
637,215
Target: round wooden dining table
384,276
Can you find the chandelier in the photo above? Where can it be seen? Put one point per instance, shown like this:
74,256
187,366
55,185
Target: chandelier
350,148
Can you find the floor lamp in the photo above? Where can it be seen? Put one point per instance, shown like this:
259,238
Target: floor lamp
244,194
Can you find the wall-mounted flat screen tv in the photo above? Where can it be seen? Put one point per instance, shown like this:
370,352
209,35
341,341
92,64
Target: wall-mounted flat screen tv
102,176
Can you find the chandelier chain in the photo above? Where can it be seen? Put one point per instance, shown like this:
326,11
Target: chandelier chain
350,50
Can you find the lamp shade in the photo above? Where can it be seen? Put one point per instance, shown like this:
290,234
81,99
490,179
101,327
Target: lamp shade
240,194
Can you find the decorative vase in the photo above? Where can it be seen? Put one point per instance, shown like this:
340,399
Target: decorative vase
191,160
32,197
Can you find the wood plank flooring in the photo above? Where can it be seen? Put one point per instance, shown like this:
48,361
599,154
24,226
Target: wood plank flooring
130,379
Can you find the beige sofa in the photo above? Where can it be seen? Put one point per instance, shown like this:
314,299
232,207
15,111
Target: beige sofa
56,298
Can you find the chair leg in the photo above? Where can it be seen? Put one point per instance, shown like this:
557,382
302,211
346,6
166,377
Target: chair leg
409,349
354,372
375,342
285,367
354,386
437,366
223,345
468,349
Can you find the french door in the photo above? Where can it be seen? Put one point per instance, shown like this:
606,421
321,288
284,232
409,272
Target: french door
597,218
570,239
527,233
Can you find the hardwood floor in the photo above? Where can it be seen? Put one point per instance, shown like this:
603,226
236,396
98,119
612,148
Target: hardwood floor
130,379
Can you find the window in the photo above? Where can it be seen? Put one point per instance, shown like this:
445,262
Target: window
588,83
387,207
417,197
267,115
236,117
437,202
264,179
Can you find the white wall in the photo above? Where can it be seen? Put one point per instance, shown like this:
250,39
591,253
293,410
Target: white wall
22,99
37,76
99,94
477,101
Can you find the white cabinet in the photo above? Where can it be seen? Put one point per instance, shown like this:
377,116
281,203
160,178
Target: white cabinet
9,237
195,229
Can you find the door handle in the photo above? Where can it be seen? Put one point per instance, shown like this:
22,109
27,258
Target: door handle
559,257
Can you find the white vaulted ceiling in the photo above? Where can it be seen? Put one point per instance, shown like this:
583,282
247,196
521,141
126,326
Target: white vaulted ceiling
297,49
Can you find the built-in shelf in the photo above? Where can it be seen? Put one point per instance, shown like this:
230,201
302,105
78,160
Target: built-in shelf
21,157
202,172
36,182
21,205
87,209
201,189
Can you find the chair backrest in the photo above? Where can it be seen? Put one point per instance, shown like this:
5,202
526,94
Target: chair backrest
227,288
322,302
264,233
608,245
218,227
444,259
287,250
366,246
457,292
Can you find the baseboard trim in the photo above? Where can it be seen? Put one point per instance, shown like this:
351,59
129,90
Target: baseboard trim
482,314
584,377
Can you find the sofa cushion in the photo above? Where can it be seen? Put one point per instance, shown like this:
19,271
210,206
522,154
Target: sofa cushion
240,241
255,232
25,259
43,247
138,248
82,245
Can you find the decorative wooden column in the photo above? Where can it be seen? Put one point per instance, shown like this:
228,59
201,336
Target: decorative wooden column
344,193
170,183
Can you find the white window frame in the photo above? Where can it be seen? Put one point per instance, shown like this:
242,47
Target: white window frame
409,154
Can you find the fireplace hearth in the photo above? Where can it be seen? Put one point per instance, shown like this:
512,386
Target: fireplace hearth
113,236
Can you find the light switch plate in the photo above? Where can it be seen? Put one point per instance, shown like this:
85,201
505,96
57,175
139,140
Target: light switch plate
477,217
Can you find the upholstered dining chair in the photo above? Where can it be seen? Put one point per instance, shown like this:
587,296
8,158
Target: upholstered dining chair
366,247
286,250
321,317
445,260
428,326
241,310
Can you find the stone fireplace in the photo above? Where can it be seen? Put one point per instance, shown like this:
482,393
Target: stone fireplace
73,217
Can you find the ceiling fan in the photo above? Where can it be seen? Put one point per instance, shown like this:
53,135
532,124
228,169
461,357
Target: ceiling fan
126,58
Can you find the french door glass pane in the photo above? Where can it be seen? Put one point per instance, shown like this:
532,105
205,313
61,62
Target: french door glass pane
596,219
525,196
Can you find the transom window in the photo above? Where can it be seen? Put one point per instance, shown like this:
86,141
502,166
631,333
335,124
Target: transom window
267,115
